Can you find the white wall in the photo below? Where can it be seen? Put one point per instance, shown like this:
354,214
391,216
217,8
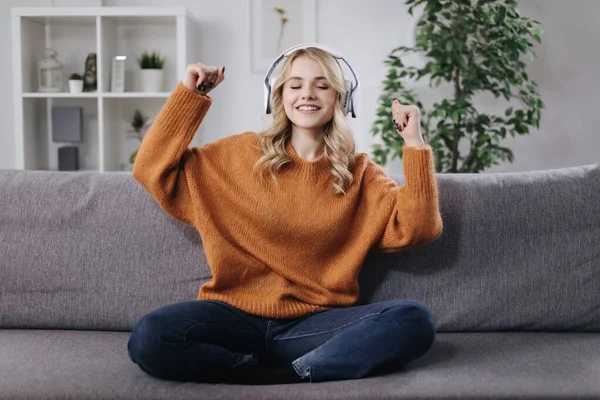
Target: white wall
6,83
365,31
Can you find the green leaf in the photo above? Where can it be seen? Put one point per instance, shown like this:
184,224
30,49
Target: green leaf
383,112
486,46
454,116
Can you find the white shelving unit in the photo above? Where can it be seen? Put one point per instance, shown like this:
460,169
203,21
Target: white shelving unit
74,32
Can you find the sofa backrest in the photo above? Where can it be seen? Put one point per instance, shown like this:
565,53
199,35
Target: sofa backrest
86,250
89,250
519,251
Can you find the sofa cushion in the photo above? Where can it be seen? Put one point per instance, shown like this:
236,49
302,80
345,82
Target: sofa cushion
52,364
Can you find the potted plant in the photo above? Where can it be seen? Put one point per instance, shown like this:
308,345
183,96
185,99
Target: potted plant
151,70
75,83
470,48
137,129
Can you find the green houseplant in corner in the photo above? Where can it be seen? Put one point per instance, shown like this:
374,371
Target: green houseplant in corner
474,47
151,69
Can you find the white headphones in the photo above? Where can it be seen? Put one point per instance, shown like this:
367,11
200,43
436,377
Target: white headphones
350,86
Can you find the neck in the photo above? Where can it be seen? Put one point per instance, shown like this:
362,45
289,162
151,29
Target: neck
308,142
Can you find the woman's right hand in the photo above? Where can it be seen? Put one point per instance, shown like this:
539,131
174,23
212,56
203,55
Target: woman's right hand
203,78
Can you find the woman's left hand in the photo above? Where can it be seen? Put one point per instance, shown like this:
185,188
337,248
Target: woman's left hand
407,121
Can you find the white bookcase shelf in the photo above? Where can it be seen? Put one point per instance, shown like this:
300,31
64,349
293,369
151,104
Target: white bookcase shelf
59,95
75,32
125,95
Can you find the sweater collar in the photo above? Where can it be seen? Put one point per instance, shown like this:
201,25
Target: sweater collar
315,168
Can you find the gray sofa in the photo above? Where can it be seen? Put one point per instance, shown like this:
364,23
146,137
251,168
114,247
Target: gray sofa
514,283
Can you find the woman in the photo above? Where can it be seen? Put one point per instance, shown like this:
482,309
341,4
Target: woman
286,216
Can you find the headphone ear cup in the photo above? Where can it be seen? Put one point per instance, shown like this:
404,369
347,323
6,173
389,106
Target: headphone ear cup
352,105
268,92
348,97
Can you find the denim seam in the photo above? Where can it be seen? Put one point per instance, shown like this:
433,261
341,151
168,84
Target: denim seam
267,336
329,330
298,367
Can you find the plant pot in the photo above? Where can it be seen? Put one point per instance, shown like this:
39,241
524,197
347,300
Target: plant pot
75,86
151,80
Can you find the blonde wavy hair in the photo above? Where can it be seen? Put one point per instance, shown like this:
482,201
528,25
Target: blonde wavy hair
339,147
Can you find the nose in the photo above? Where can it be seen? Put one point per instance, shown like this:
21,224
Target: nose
307,92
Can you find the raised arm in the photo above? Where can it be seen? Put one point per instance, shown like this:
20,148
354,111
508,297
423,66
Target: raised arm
165,164
415,216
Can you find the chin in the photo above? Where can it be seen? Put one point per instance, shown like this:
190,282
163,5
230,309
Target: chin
303,123
308,126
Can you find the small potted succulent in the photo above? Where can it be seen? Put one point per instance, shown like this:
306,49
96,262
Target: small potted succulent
151,69
75,83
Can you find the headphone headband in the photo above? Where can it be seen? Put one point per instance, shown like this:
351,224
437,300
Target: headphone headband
350,86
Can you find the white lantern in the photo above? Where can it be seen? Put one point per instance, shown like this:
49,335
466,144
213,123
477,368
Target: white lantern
50,72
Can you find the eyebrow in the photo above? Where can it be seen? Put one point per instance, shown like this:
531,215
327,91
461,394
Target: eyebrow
297,77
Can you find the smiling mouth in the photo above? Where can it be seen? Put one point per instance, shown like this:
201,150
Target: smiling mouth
307,109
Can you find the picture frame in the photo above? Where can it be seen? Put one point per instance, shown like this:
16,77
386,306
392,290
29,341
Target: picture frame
269,35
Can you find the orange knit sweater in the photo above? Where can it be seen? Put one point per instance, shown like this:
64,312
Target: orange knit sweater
281,251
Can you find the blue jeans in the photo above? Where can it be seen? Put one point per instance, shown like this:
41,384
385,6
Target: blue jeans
211,341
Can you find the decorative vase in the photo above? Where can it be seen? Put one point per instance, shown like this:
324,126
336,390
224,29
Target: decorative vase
50,72
151,79
75,85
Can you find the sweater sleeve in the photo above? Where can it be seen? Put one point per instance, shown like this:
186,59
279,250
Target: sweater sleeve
164,162
413,208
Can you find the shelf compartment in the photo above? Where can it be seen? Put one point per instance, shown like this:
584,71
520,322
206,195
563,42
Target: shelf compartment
41,152
118,114
73,38
129,37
